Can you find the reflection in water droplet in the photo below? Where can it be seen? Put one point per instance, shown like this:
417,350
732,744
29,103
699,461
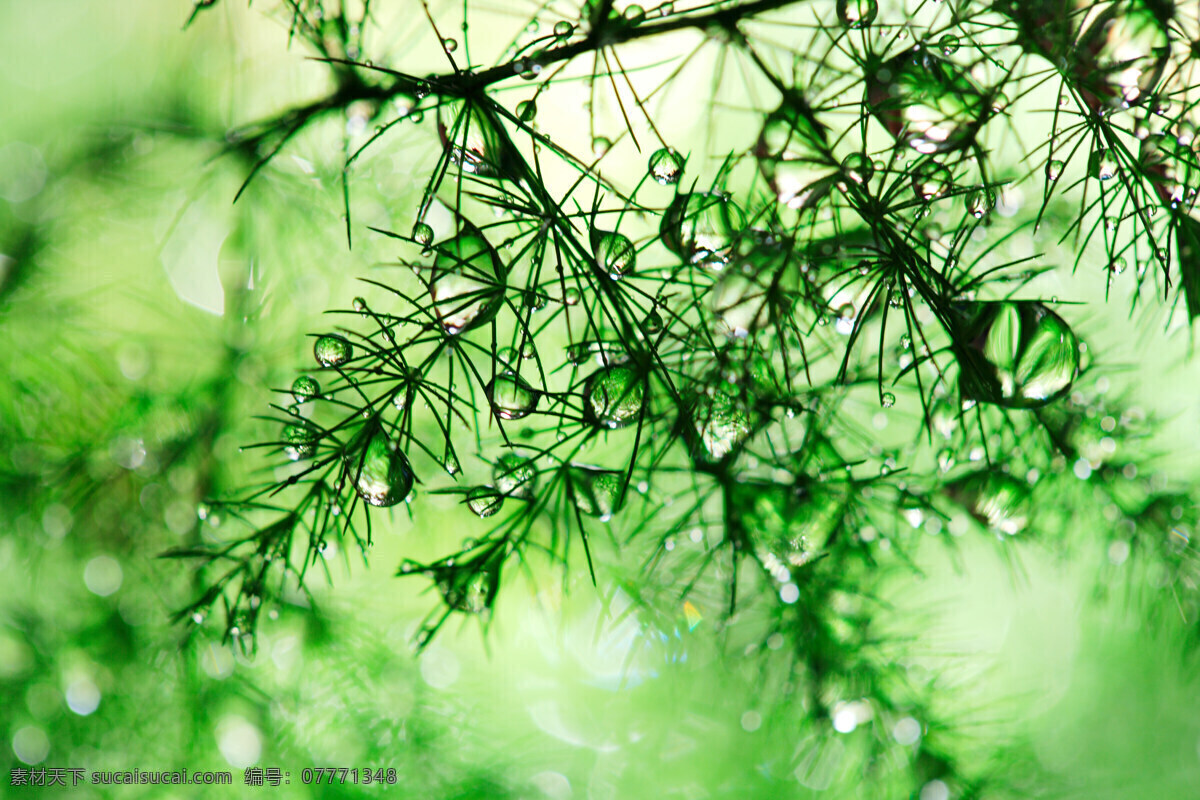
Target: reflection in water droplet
305,388
996,499
332,350
666,166
615,254
484,501
926,101
614,397
515,476
511,397
299,440
468,286
702,228
719,423
379,470
857,13
595,491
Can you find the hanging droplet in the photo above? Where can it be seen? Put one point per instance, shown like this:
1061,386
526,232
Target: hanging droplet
1101,165
596,492
469,592
1118,265
719,423
299,440
790,155
981,201
634,14
422,234
360,305
305,388
449,44
858,168
996,499
511,397
378,469
332,350
666,166
475,140
702,228
925,101
614,397
563,29
484,501
857,13
789,524
653,322
887,400
601,145
1021,354
615,254
526,110
571,297
1054,169
931,179
515,476
469,281
948,44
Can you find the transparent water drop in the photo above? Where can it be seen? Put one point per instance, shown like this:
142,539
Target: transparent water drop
596,492
470,593
571,297
789,522
468,286
475,140
702,228
996,499
515,476
299,440
305,388
858,168
653,323
601,145
378,469
526,110
1118,265
666,166
1101,164
332,350
1021,354
511,397
948,44
925,101
563,29
614,397
980,201
718,425
360,305
887,400
857,13
615,254
931,179
449,44
1054,169
485,501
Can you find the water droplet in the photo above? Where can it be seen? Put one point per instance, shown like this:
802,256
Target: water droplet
930,179
615,254
949,44
929,103
511,397
469,281
378,469
422,234
719,424
887,400
601,145
1054,169
515,476
666,166
790,156
702,228
614,397
1118,265
450,44
563,29
980,201
1101,165
305,388
360,305
299,440
1022,354
475,140
857,13
571,297
634,14
526,110
996,499
332,350
469,592
484,501
858,168
596,492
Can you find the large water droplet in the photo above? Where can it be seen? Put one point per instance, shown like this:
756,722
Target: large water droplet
332,350
615,254
926,101
857,13
377,468
475,140
305,388
469,281
595,491
702,228
1021,354
515,476
614,397
484,501
996,499
1101,165
511,397
299,440
858,168
422,234
718,424
931,179
666,166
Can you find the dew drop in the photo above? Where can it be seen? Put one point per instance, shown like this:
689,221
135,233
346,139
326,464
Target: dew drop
422,234
515,476
563,29
858,168
857,13
299,440
484,501
469,281
887,400
1054,169
601,145
702,228
615,254
526,110
719,424
450,44
666,166
305,388
948,44
332,350
596,492
930,179
614,397
379,470
511,397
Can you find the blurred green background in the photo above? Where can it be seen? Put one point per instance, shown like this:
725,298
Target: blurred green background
135,358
